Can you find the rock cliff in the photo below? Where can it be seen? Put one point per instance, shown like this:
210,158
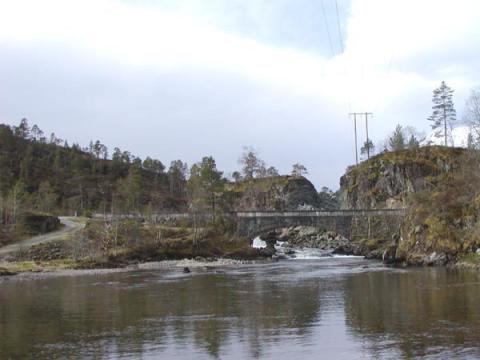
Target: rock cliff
439,188
273,193
388,179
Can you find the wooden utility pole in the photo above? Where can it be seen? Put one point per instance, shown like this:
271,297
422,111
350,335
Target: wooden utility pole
366,128
355,130
366,114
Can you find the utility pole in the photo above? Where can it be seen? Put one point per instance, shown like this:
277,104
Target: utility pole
366,114
366,128
355,130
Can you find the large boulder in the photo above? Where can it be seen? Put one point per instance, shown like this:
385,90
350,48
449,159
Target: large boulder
280,193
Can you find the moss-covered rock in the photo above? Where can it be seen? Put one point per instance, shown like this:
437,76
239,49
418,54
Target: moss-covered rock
387,180
273,193
439,188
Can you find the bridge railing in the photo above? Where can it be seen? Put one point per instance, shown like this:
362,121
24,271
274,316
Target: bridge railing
318,213
265,213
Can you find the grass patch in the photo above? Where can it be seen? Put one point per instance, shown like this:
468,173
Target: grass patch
38,266
79,219
471,259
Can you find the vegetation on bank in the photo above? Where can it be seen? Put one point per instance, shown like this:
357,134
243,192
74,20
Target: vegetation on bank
437,184
396,175
119,243
445,219
41,175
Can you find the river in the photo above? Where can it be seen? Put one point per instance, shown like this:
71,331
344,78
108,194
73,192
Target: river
331,308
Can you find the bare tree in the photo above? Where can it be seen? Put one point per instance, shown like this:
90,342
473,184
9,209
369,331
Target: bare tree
472,113
252,165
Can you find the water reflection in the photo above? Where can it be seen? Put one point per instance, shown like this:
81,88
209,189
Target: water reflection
423,312
298,309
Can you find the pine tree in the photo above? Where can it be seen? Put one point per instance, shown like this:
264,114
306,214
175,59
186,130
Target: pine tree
299,170
397,140
46,196
413,142
444,113
205,183
367,148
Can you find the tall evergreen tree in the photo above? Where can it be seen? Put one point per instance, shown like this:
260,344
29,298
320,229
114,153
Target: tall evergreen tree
413,142
444,113
397,140
206,176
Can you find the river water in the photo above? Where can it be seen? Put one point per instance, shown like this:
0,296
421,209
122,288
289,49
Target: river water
331,308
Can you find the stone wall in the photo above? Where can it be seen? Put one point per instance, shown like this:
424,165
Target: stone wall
350,224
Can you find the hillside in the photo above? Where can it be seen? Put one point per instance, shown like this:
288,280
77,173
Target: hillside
51,176
388,179
439,188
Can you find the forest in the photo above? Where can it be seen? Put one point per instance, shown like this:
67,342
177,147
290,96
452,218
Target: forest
50,176
44,174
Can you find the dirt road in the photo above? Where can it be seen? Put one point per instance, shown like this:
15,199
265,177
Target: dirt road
71,225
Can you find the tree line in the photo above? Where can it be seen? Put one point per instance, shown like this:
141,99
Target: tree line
45,174
443,120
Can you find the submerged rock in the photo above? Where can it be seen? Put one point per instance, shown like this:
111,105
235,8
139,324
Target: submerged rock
436,259
388,256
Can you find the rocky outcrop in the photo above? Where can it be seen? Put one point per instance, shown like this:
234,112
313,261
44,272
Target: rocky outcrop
273,193
329,242
39,223
438,186
312,237
387,180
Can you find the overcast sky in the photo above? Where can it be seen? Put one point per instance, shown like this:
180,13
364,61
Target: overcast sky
189,78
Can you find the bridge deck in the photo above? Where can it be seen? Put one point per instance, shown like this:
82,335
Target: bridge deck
313,213
272,213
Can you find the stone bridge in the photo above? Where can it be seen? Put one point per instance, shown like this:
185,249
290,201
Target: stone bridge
380,223
352,224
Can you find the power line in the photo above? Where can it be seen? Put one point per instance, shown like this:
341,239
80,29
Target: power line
328,31
338,26
340,39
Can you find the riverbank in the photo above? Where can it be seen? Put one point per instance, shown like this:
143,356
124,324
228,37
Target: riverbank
129,244
30,270
111,246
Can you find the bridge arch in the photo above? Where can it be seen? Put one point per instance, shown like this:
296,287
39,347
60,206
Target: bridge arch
381,223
